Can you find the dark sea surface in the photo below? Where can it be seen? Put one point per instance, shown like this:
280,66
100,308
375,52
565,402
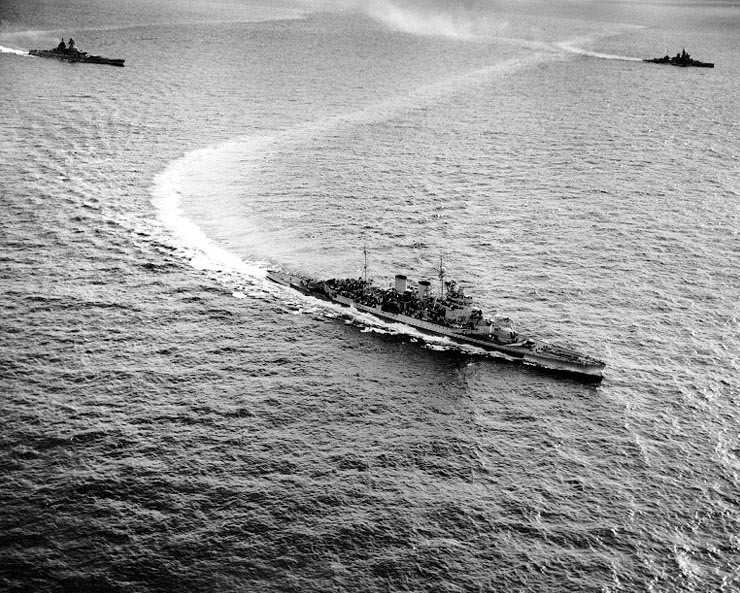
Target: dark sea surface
171,421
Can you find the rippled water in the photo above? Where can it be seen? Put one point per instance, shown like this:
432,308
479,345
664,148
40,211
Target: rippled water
171,421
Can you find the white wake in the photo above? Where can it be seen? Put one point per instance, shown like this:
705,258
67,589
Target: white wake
570,46
203,253
10,50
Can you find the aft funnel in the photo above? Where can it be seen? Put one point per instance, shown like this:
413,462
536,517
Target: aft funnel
401,283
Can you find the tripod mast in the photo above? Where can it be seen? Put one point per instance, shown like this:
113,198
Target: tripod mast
364,267
441,278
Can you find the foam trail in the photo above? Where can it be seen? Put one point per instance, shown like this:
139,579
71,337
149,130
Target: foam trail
203,171
204,254
10,50
569,47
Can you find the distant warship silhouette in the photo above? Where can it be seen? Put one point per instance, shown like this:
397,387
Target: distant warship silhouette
681,59
70,53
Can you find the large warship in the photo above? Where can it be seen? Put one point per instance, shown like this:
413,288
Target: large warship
70,53
450,313
682,59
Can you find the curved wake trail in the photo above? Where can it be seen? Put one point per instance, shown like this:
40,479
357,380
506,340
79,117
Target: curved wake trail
203,253
200,170
569,47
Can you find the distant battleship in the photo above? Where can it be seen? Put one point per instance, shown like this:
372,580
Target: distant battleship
681,59
449,314
69,53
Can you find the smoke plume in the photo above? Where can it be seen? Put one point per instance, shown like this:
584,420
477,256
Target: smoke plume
460,20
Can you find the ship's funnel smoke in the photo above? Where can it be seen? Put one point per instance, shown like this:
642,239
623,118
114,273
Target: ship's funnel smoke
458,20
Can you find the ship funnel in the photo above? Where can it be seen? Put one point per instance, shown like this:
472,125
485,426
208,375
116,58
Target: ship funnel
400,283
424,289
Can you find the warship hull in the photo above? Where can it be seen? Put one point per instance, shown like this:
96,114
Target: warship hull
528,351
76,57
680,64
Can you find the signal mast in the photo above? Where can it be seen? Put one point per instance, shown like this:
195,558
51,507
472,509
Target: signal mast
364,267
441,271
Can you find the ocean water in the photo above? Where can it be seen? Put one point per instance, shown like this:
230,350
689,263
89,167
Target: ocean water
171,421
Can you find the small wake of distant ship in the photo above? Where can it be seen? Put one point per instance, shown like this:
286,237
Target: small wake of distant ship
10,50
569,47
